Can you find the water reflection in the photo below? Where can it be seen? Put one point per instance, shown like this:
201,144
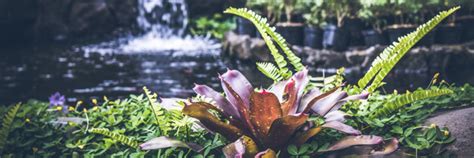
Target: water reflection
38,72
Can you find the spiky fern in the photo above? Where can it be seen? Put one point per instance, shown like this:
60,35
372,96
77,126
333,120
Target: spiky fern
408,98
6,124
270,70
158,111
115,136
269,36
382,65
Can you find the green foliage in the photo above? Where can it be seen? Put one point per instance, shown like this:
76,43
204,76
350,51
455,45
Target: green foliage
314,13
269,36
37,130
215,26
6,124
402,100
382,65
115,136
270,70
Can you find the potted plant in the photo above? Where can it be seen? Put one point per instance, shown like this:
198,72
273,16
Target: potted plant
467,19
290,30
372,12
450,32
336,36
406,16
315,18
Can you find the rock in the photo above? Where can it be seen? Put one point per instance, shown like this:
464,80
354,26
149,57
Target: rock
197,8
124,12
16,20
461,127
90,16
245,48
52,20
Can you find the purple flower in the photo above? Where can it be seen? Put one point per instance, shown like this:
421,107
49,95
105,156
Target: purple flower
58,100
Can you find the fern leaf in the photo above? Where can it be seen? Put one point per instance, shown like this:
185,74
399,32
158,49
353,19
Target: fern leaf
292,58
115,136
6,124
382,65
156,108
408,98
270,70
264,29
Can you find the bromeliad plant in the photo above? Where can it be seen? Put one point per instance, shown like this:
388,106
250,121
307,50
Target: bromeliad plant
267,120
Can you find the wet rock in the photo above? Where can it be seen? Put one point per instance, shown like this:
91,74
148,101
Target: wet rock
198,8
245,47
90,16
53,20
461,127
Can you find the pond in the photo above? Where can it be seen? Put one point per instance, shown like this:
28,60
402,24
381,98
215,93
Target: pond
35,72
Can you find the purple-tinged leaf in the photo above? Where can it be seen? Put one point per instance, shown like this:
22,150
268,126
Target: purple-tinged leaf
301,80
282,129
244,112
242,147
278,89
239,84
388,148
306,99
349,141
323,106
301,139
171,103
349,98
335,116
220,100
201,112
264,109
165,142
316,99
269,153
342,127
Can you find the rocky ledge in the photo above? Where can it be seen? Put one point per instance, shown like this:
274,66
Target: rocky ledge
436,57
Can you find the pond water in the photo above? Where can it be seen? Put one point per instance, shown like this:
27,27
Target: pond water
38,72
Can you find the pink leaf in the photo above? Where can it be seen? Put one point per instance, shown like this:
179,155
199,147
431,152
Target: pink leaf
355,140
342,127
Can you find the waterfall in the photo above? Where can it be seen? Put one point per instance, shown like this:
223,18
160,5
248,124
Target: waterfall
164,23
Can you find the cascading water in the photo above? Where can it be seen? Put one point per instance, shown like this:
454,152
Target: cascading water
164,23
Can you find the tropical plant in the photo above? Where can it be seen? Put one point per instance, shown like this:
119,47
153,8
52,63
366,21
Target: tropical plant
273,9
215,26
372,12
340,9
314,13
255,119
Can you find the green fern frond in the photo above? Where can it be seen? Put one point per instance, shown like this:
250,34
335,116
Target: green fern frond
382,65
115,136
269,35
156,108
408,98
6,124
270,70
